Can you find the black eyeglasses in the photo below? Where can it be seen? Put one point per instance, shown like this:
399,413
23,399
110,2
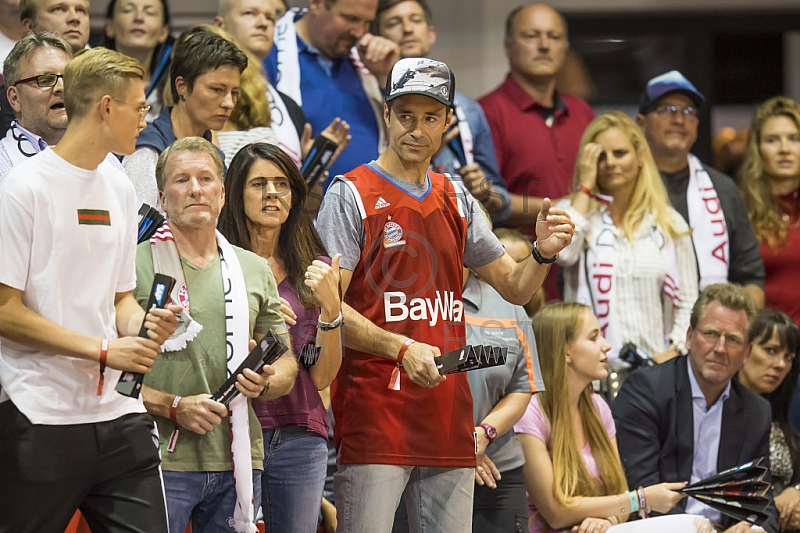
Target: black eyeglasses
687,112
42,80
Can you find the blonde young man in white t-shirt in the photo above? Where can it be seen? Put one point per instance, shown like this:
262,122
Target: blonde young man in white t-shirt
68,440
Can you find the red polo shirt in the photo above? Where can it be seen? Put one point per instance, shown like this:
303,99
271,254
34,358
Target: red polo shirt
535,159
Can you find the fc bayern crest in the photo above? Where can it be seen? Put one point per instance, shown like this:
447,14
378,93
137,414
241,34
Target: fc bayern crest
183,296
392,235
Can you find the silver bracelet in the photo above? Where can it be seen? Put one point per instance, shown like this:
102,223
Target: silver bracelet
327,326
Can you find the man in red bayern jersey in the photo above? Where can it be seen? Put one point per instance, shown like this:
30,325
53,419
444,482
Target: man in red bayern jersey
404,233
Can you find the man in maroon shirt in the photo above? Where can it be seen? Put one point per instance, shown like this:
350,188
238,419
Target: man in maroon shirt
536,130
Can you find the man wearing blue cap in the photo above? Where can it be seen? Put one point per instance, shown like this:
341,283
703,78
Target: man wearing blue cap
404,232
726,249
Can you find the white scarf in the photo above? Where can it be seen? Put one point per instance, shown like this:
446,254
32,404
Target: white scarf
709,230
166,261
465,133
597,264
237,325
284,128
289,70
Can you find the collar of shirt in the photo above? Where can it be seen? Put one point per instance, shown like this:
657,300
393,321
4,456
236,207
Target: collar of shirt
326,64
526,102
35,140
698,398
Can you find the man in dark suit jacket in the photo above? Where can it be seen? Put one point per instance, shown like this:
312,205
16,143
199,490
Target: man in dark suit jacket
663,412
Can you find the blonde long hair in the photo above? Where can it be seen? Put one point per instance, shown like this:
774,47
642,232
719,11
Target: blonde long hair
252,110
765,216
649,194
556,326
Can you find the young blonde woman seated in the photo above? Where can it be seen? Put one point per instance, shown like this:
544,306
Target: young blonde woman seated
573,474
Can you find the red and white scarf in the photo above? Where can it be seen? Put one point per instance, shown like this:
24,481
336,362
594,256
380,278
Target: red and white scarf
709,230
237,324
597,276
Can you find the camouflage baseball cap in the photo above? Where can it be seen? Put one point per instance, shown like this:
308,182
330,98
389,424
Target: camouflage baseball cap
419,75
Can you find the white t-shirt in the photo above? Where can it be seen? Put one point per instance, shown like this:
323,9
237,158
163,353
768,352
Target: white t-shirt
68,241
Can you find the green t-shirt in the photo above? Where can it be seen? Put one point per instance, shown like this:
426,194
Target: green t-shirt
201,367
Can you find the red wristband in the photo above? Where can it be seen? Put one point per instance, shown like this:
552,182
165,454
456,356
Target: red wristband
394,380
403,350
173,410
103,358
584,189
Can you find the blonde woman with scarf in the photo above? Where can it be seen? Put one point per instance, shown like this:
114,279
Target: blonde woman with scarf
632,259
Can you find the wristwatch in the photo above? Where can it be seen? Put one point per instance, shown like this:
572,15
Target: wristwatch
491,432
327,326
539,258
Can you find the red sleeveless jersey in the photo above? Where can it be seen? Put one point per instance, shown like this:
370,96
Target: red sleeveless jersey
408,280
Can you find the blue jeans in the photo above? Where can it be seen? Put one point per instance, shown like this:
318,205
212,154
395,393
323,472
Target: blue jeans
208,498
295,462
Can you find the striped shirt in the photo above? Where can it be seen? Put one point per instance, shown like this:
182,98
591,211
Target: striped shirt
639,300
232,141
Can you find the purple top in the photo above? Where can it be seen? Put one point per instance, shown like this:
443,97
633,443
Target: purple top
534,422
303,405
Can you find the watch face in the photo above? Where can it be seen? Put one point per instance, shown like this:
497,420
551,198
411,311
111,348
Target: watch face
491,432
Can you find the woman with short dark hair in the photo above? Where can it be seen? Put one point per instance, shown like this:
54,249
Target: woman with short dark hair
204,82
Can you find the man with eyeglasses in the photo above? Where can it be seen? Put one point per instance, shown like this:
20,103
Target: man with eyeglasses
34,71
687,419
35,92
69,322
725,246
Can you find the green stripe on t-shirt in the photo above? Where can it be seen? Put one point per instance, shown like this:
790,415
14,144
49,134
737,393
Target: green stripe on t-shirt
94,217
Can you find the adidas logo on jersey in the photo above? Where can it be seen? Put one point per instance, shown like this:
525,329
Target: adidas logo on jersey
381,203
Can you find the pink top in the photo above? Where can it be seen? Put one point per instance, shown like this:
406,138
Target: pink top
534,422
